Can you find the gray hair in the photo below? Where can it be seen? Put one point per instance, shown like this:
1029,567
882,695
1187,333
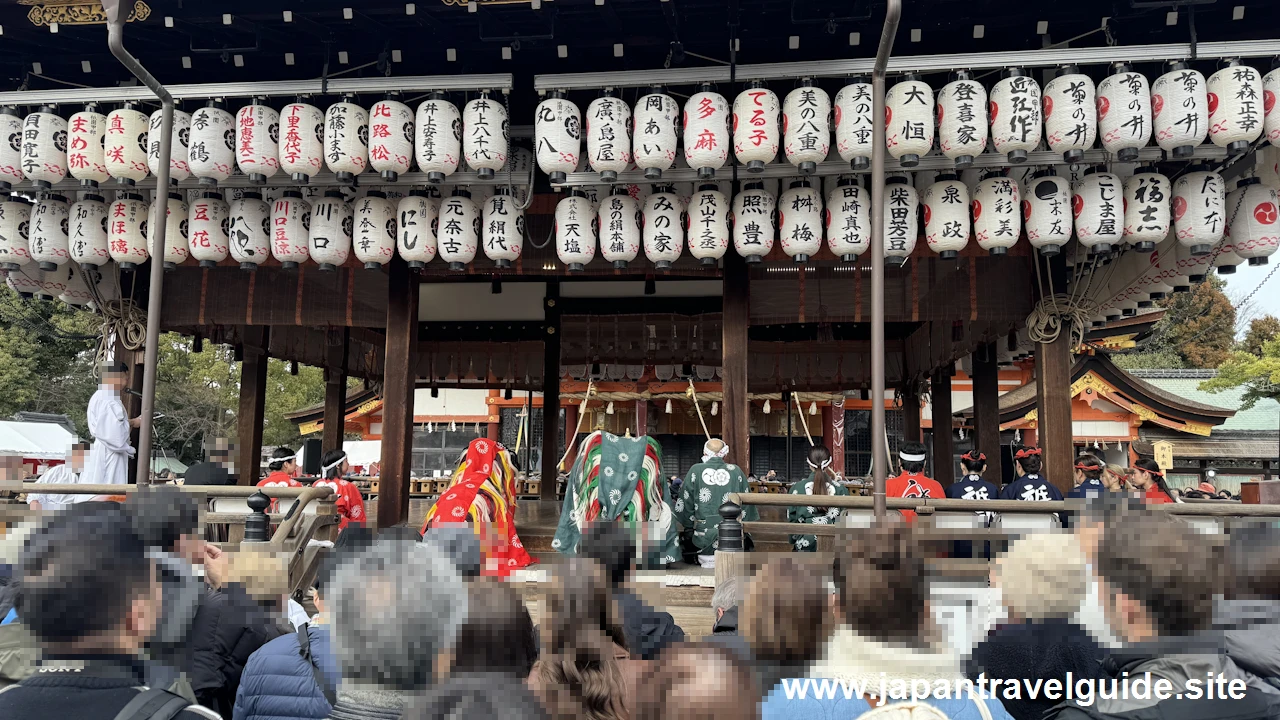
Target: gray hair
728,594
396,606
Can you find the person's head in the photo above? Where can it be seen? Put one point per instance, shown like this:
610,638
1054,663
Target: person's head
459,543
1099,513
580,627
714,448
115,375
1114,477
77,455
396,606
1088,467
883,562
785,612
334,464
497,635
283,460
912,455
727,595
1225,494
1028,460
263,576
1042,577
610,543
88,585
698,681
1146,474
1157,580
487,696
974,462
168,519
1252,567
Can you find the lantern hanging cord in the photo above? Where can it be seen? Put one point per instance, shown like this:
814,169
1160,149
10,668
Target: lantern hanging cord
803,422
693,394
122,318
582,415
1045,323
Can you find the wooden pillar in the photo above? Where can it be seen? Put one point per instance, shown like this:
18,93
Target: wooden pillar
551,392
833,424
944,464
570,434
986,410
911,415
494,430
399,377
642,418
132,399
335,391
736,318
828,439
253,402
1053,403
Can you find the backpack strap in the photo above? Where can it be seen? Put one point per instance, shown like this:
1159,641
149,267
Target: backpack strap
153,704
304,649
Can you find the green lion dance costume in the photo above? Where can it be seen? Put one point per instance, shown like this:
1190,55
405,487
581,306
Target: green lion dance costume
618,478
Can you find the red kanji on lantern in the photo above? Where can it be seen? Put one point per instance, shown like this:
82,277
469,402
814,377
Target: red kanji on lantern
706,108
706,140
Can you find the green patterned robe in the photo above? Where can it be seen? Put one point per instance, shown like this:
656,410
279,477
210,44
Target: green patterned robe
812,515
705,489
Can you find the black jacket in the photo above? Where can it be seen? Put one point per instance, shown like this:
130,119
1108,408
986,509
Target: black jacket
727,624
85,688
208,473
648,630
1035,651
226,631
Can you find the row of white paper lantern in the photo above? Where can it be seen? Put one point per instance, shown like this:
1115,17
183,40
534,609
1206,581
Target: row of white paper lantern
299,140
1181,109
66,284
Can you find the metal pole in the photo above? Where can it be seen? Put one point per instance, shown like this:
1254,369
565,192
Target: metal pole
115,40
786,398
879,458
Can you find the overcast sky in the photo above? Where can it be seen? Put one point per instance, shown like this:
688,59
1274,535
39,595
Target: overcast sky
1265,301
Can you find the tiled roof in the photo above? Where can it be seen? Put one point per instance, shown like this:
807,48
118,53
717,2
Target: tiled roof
1263,416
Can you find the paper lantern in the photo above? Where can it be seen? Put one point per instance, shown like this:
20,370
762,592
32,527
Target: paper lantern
1199,209
375,230
209,226
87,231
756,134
86,133
1046,211
125,146
502,225
127,230
332,225
15,231
459,230
44,148
290,229
438,137
946,216
1191,269
853,124
1271,116
1070,114
25,281
656,125
1180,109
77,292
806,126
901,227
390,138
909,120
10,147
1098,209
962,118
176,249
848,216
346,139
301,141
1015,115
1146,209
619,221
663,227
800,221
212,150
179,165
607,126
706,131
484,141
753,227
1124,112
575,230
47,242
418,217
1235,107
558,137
258,142
707,224
1224,258
997,213
250,230
1255,232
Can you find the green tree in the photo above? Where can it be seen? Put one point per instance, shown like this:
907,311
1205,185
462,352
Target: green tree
1259,374
1197,331
1260,331
43,346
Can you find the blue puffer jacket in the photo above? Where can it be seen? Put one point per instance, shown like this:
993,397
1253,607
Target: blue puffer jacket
278,683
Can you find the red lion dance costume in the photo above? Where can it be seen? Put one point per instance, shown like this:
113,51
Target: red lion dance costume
483,493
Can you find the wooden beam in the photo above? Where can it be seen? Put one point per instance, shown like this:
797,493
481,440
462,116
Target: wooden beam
735,422
911,414
253,402
1053,403
570,434
944,463
642,418
551,393
131,400
833,426
335,390
398,382
986,409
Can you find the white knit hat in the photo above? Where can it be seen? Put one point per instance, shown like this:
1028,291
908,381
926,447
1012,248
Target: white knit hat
1043,576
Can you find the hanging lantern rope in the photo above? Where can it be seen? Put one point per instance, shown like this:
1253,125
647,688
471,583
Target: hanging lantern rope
693,393
803,422
582,415
122,319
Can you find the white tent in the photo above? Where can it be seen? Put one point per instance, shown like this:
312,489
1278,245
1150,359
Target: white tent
35,441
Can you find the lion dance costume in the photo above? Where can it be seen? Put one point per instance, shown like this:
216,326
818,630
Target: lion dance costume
483,492
618,479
